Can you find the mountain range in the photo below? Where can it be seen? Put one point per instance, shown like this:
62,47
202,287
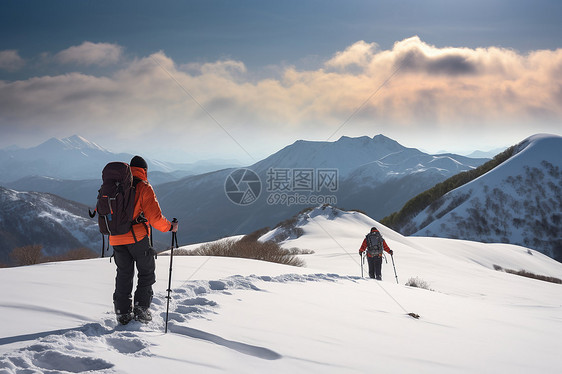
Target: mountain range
76,158
518,202
375,175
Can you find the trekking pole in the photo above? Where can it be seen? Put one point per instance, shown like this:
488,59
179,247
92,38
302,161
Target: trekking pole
362,259
396,275
174,241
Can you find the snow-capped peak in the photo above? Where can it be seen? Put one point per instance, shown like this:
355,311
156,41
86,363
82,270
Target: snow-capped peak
78,142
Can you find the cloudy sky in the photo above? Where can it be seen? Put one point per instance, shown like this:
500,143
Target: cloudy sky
190,80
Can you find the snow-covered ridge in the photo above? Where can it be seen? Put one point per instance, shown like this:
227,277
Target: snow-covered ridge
58,225
519,202
361,156
294,228
78,142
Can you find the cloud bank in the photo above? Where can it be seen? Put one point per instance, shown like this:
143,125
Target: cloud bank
412,88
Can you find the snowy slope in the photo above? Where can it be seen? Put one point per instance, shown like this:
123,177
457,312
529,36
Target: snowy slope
59,225
83,191
518,202
244,316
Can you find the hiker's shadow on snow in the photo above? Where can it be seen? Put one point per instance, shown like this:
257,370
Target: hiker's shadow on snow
252,350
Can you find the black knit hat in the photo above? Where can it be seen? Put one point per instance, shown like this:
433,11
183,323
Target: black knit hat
139,162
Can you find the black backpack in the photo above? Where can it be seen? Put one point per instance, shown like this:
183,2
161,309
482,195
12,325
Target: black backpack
116,199
374,243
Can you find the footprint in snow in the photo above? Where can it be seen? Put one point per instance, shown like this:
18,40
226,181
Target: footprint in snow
127,345
53,360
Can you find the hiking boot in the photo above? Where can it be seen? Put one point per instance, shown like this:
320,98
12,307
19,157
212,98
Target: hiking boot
142,314
123,319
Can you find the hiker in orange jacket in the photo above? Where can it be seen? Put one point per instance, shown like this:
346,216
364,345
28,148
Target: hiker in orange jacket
374,259
134,247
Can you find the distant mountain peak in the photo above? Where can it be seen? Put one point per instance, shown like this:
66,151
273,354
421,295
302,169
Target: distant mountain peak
381,137
74,142
345,138
78,142
377,139
535,139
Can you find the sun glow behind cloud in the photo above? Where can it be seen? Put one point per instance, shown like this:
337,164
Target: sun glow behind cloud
444,90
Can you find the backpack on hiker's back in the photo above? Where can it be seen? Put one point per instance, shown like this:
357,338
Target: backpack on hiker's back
116,199
375,244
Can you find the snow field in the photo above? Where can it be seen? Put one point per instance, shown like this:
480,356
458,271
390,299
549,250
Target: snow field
245,316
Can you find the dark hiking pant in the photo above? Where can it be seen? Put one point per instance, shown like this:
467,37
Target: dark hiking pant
375,267
125,258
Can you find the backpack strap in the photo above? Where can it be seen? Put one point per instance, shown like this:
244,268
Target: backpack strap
140,218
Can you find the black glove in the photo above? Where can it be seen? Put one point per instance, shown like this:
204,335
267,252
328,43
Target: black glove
391,252
360,254
174,227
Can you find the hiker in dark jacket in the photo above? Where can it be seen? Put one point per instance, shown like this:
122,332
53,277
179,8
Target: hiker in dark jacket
134,247
374,258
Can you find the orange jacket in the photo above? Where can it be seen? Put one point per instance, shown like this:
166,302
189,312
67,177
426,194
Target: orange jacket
145,202
364,247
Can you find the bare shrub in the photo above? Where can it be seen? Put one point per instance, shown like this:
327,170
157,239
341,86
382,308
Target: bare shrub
27,255
297,251
527,274
418,283
263,251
